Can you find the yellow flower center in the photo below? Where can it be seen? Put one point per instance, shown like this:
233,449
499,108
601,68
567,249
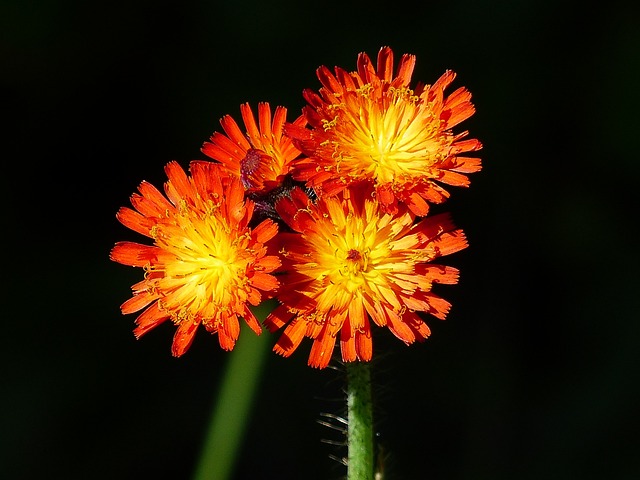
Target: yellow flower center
391,137
207,274
354,255
349,269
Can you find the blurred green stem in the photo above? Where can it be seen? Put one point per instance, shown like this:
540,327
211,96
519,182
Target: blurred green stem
360,422
233,406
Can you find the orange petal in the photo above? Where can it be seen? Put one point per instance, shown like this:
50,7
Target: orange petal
439,307
236,135
347,344
137,302
356,314
277,318
226,342
417,205
135,221
252,321
451,242
291,338
265,231
183,338
178,187
264,281
399,328
321,350
268,264
250,124
155,198
364,344
231,327
224,150
133,254
149,319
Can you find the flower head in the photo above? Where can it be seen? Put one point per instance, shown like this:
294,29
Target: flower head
348,262
370,125
260,157
206,264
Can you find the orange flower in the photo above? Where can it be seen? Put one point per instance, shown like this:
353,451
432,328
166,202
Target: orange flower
369,125
348,262
206,264
260,157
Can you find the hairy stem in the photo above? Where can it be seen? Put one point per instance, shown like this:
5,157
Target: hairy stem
360,425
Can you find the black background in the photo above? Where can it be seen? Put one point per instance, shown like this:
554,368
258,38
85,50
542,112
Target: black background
533,375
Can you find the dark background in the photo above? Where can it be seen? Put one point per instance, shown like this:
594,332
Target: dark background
533,375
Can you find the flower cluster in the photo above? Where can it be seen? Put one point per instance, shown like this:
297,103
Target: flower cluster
327,213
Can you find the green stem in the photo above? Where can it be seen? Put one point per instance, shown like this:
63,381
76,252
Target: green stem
233,407
360,422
